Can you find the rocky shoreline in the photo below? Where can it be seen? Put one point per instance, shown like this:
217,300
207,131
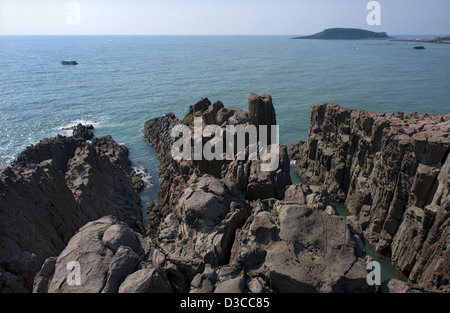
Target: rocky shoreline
392,172
51,190
444,40
226,225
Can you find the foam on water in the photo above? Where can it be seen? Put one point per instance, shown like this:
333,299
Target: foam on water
144,174
67,128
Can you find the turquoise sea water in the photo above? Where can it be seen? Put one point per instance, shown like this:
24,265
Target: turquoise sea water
123,81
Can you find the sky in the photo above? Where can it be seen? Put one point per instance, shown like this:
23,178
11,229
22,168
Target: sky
218,17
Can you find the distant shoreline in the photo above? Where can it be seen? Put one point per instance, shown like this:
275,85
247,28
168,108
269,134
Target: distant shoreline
444,40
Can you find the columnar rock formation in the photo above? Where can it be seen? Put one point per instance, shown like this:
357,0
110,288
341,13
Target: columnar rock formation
251,181
211,236
227,226
50,191
218,226
392,171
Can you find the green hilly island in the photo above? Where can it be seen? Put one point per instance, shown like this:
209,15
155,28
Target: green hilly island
346,33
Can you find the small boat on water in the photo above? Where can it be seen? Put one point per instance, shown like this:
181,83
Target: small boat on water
69,62
419,48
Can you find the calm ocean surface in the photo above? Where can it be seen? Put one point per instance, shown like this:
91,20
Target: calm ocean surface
122,81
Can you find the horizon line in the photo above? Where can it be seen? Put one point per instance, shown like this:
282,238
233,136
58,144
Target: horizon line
427,34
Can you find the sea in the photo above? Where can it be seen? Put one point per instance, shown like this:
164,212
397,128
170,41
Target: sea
120,82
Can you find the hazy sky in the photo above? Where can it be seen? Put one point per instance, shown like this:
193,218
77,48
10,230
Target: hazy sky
219,16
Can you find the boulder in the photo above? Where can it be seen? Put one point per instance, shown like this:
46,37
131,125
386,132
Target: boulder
146,280
44,275
124,263
257,285
100,264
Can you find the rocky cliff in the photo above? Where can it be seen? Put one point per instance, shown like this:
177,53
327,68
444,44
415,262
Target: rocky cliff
50,191
227,226
208,234
392,171
218,226
251,181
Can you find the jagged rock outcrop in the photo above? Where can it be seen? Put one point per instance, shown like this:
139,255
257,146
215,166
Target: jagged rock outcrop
247,174
211,237
172,174
392,172
85,132
293,245
297,245
50,191
201,229
261,112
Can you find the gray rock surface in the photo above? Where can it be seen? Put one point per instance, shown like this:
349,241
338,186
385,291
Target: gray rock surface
147,280
262,112
252,182
227,226
300,248
124,262
257,184
202,228
203,223
225,279
398,286
102,265
173,175
392,172
50,191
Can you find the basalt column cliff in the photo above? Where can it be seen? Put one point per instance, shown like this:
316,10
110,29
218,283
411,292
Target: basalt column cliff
392,171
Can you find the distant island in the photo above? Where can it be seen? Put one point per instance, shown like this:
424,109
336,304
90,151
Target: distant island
346,33
360,34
